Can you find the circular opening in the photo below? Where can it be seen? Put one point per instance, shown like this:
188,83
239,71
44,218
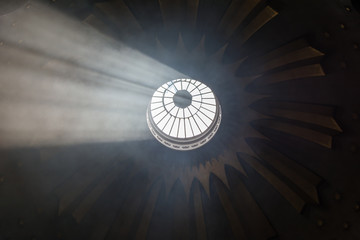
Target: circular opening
184,114
182,99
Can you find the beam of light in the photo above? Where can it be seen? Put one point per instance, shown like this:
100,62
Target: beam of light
62,82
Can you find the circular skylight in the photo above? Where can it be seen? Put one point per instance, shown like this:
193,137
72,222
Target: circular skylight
184,114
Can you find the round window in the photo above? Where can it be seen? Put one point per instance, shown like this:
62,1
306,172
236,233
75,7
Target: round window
184,114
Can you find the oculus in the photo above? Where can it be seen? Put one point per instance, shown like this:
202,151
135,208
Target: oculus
184,114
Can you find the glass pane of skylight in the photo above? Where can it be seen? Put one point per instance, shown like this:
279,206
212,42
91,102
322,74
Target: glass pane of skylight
192,110
209,101
182,129
197,83
168,94
188,131
163,122
209,108
200,123
167,100
175,128
168,126
158,94
205,118
156,105
208,113
181,113
196,104
204,89
197,98
178,85
208,95
157,111
174,111
187,112
194,126
191,88
159,117
195,92
187,84
170,107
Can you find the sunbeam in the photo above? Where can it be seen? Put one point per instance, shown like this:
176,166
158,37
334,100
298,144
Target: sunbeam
63,82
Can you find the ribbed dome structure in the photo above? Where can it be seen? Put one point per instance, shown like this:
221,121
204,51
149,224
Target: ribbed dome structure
79,83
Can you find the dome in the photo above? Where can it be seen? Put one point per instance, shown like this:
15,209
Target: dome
170,119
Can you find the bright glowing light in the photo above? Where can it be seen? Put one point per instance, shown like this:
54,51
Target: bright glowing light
62,82
183,113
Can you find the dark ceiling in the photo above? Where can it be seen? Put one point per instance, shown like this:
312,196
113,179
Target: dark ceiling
283,165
